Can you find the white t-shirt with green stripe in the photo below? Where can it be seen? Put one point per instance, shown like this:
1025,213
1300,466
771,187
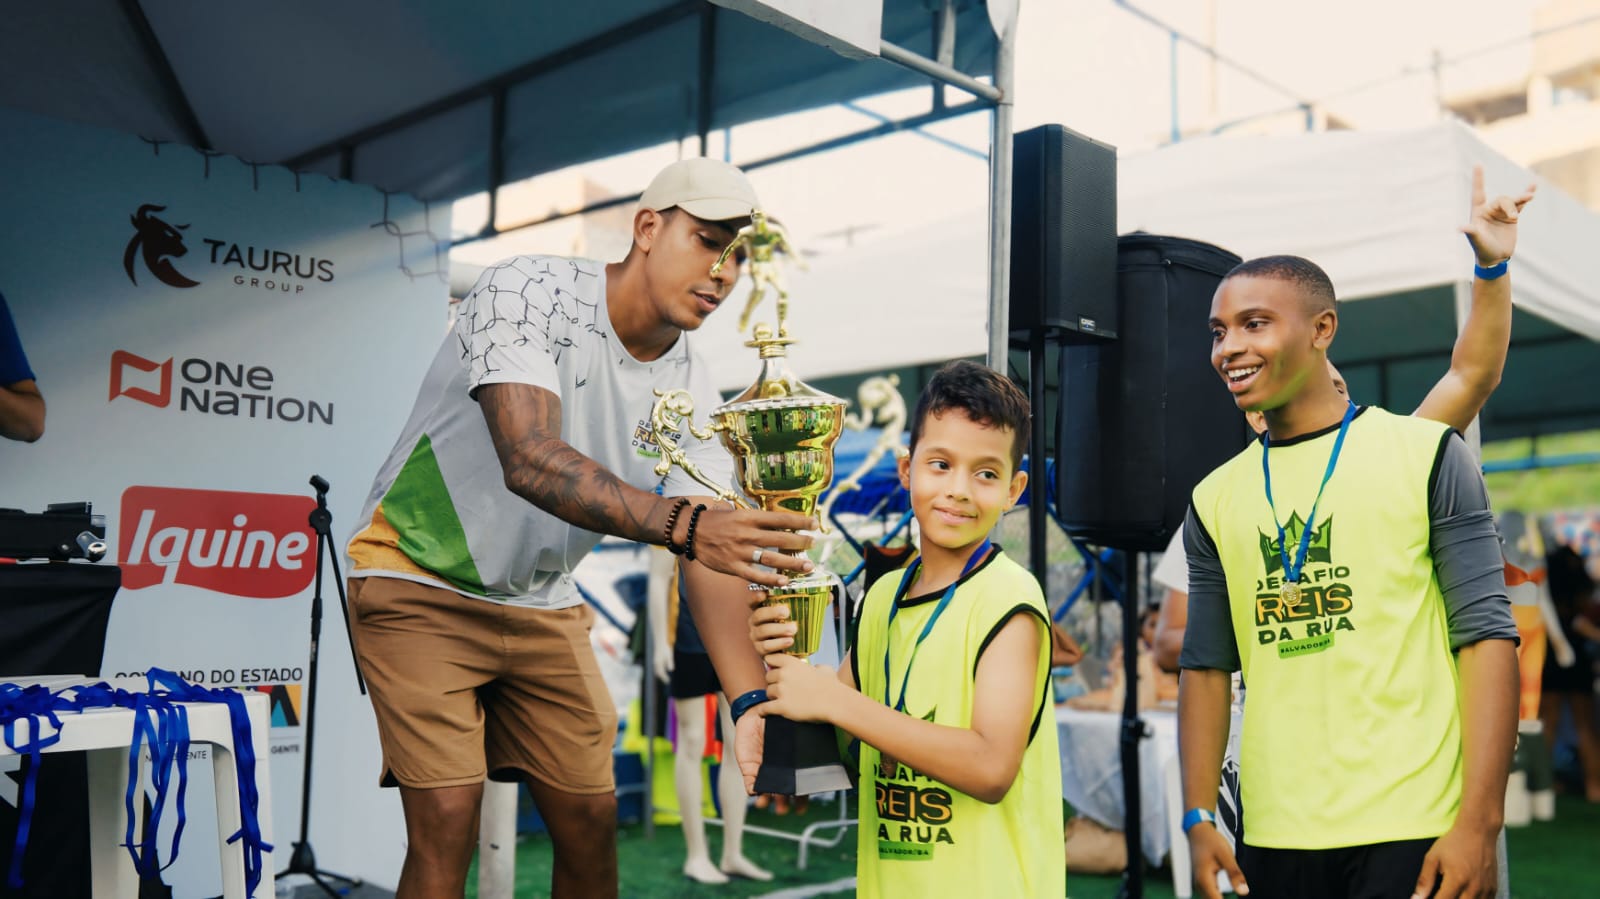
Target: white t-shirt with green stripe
440,498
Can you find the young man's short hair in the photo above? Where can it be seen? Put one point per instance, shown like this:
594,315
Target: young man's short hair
1314,284
983,394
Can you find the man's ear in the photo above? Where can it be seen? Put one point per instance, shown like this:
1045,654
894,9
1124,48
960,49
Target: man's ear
903,463
1324,325
647,227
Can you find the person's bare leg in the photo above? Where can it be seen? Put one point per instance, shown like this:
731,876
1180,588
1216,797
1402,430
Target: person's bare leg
687,776
583,832
441,835
730,792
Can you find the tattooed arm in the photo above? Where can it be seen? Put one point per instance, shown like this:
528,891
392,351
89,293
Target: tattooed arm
525,423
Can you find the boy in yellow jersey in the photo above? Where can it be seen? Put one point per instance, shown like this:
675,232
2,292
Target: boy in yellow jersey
1349,567
965,794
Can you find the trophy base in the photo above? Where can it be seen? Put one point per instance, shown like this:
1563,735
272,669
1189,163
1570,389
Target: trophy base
801,758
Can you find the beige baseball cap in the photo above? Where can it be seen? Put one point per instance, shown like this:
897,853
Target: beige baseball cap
704,188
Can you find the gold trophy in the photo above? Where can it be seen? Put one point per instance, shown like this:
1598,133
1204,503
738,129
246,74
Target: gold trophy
780,432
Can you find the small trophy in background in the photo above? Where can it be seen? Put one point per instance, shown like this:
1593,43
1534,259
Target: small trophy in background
881,404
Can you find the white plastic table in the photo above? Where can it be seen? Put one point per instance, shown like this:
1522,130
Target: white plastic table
105,735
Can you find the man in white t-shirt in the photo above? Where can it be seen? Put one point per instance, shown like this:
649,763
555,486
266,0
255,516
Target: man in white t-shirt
529,440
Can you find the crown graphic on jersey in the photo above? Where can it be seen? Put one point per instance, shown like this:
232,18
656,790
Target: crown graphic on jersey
1320,549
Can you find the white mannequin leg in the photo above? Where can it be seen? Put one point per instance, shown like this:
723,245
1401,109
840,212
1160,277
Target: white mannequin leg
730,792
686,776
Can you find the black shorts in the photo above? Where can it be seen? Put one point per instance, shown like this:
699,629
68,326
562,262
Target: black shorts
1575,678
692,675
1376,871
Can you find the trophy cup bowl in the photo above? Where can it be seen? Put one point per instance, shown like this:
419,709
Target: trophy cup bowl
782,450
780,433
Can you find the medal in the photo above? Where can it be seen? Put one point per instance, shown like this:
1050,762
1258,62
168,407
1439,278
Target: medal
978,555
1290,591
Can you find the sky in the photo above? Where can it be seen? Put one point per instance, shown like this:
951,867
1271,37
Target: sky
1099,69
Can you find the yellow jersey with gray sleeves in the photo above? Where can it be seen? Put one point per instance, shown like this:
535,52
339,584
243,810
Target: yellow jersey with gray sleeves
1353,731
920,837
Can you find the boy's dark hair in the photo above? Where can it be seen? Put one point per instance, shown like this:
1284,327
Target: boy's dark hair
1314,284
983,394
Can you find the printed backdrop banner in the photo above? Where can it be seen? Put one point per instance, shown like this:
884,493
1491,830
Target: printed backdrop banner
208,334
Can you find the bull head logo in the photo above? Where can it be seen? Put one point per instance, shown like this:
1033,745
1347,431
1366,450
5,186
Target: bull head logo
158,240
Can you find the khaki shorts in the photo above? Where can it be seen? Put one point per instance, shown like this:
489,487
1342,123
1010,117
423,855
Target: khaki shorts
465,688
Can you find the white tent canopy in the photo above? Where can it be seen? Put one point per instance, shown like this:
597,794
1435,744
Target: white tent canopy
1380,211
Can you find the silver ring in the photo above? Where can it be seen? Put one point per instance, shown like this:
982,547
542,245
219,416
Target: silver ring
756,557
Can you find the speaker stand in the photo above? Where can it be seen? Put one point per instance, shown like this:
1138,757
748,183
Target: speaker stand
1133,730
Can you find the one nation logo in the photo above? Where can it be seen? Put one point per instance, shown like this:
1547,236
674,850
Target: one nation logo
212,387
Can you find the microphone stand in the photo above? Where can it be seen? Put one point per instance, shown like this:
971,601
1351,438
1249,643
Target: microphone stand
304,859
1132,731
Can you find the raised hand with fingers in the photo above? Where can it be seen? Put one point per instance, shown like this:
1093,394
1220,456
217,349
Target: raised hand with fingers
1492,224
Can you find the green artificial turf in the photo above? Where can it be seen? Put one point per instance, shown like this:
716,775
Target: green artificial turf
1556,859
650,868
1549,860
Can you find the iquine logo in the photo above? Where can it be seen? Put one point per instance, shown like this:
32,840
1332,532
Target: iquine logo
157,243
258,545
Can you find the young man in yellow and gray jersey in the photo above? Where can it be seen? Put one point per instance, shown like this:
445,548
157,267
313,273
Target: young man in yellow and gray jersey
1349,567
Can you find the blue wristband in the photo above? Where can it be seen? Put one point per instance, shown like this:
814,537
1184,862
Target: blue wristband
1492,272
1198,816
744,702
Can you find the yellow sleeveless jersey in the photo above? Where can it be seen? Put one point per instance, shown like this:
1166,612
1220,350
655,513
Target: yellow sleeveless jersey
1352,733
920,837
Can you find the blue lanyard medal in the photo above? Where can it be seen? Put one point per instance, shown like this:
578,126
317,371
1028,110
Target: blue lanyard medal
894,608
1291,569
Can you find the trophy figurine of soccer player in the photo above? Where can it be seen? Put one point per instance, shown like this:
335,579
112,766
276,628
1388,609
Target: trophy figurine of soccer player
780,433
762,240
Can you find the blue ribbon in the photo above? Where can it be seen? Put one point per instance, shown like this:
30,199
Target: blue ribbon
1292,572
944,603
162,725
34,703
176,689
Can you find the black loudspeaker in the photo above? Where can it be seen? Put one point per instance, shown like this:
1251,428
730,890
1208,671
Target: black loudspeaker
1144,418
1063,234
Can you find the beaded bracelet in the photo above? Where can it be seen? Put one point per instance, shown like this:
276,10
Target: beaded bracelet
672,522
688,539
